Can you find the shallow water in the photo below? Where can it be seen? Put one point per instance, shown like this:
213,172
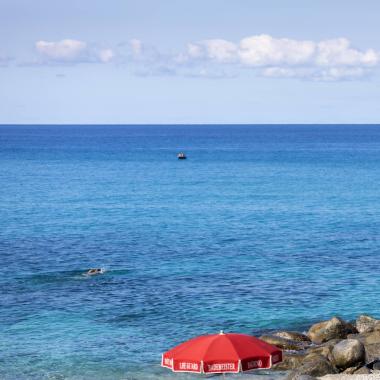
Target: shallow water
261,228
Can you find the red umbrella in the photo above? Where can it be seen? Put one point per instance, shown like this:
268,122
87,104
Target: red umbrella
221,353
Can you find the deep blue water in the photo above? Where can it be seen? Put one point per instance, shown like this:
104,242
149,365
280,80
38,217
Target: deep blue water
263,227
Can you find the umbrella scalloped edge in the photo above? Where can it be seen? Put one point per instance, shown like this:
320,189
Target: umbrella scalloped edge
245,365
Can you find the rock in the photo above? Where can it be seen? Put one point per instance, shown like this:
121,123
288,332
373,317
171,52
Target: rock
372,352
351,370
363,371
289,361
335,328
367,338
376,365
367,324
348,353
371,341
313,365
303,377
292,335
324,349
285,344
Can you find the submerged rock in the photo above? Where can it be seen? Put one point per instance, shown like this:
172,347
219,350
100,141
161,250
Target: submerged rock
348,353
367,324
285,344
335,328
293,335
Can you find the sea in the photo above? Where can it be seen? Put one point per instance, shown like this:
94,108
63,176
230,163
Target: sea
261,228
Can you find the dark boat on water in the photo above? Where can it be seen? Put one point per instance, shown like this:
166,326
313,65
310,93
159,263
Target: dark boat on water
181,156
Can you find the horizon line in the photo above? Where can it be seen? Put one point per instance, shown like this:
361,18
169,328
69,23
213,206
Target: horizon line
179,124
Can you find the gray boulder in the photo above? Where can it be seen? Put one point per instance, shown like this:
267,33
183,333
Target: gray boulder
367,324
290,360
284,344
324,349
363,371
335,328
303,377
371,341
348,353
372,352
367,338
376,366
351,370
313,365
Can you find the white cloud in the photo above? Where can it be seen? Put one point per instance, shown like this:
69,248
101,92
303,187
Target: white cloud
280,72
315,73
65,50
106,55
339,73
71,51
220,50
263,55
338,52
216,49
136,46
333,59
264,50
195,51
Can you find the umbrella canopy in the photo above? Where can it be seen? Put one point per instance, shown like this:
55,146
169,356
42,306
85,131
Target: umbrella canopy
221,353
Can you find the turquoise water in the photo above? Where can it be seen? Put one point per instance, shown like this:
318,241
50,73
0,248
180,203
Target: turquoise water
261,228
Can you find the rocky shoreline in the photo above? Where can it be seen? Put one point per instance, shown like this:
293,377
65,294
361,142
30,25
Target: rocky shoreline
329,348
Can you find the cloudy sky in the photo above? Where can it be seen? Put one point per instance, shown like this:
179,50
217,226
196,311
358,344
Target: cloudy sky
198,61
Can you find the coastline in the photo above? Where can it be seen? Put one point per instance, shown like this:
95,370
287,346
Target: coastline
340,376
332,349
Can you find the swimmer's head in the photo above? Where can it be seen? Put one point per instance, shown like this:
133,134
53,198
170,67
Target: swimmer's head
95,271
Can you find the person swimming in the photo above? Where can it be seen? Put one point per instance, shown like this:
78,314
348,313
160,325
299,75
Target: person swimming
94,271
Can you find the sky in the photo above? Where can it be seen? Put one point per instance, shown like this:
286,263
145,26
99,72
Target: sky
198,61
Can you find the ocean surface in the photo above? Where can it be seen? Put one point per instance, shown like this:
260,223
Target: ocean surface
261,228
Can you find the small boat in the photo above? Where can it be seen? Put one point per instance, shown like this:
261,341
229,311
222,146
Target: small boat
181,156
